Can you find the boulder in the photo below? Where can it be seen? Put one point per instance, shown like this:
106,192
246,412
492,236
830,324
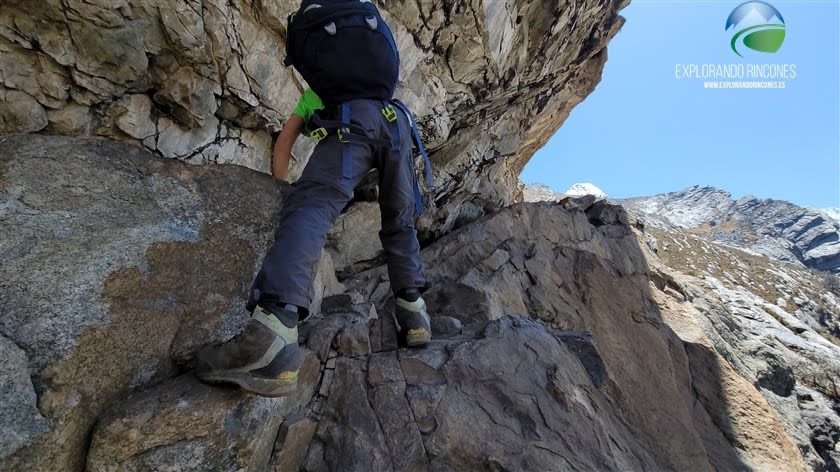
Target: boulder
115,266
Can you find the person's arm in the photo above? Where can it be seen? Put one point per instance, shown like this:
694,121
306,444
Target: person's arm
283,147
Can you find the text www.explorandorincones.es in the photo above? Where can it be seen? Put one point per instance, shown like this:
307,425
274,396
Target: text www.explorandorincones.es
743,85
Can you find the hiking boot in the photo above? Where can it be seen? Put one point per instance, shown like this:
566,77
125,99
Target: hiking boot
412,322
263,359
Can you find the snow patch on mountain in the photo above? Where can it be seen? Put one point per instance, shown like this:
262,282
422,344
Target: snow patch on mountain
688,208
777,229
585,188
543,193
834,213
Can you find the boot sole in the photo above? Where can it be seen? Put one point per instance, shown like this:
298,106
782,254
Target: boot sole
258,386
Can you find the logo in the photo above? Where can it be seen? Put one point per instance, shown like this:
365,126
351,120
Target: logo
757,26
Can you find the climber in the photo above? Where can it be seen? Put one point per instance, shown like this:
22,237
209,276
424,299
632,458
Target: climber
358,126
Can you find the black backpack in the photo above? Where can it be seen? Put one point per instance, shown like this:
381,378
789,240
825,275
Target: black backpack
343,49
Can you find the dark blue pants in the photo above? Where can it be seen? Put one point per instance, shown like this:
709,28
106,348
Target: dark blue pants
317,198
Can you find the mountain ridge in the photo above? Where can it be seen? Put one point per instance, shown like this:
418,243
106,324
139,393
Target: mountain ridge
775,228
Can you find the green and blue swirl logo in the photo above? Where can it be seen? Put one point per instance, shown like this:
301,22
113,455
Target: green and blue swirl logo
757,26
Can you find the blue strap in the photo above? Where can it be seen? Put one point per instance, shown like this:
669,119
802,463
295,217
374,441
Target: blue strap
418,196
345,149
419,142
396,140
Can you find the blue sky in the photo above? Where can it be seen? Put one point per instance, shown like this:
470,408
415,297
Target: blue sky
643,131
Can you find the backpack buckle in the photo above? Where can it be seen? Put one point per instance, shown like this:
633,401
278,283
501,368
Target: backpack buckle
341,135
318,134
389,113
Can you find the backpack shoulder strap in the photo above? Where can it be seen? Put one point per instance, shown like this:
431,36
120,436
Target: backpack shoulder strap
418,141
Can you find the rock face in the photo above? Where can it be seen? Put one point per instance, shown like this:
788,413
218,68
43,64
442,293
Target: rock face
203,81
777,229
114,267
214,429
777,324
560,341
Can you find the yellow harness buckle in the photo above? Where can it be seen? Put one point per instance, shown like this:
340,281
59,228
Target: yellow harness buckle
389,113
318,134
